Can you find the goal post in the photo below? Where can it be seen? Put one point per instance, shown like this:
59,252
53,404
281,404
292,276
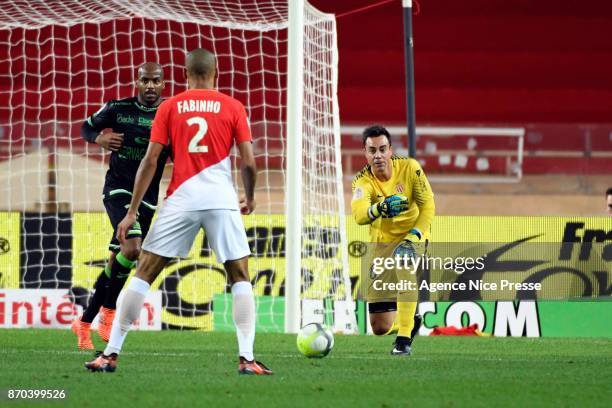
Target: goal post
295,100
315,196
61,62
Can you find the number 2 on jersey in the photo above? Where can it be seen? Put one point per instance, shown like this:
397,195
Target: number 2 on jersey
194,147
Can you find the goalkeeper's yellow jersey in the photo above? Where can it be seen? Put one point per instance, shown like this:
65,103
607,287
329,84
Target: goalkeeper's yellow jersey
407,179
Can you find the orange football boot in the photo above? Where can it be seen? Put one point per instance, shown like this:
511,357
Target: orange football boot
105,323
82,331
253,367
103,363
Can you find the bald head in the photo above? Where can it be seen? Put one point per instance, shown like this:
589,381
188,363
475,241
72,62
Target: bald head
201,63
150,69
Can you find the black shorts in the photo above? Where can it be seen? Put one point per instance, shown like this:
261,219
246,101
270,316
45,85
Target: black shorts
381,307
116,208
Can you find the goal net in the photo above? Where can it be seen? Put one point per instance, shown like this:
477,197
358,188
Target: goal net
61,61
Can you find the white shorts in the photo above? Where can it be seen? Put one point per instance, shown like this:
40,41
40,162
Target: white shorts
173,232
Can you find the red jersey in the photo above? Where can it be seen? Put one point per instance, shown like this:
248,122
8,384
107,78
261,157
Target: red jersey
201,126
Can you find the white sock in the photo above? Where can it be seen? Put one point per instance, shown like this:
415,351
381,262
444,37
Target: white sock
244,317
127,312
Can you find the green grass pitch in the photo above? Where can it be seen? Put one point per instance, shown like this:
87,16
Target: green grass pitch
187,369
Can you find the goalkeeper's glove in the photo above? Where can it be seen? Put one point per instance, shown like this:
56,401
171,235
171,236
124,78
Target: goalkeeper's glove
390,207
408,247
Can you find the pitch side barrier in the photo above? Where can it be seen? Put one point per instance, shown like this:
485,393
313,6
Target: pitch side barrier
571,257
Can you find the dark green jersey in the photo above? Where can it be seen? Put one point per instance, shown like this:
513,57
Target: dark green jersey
134,120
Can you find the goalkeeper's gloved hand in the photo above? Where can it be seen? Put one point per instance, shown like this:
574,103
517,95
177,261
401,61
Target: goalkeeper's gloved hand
390,207
409,246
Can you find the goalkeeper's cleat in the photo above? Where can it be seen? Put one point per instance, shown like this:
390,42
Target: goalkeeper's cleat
401,346
103,363
105,323
253,367
418,321
82,331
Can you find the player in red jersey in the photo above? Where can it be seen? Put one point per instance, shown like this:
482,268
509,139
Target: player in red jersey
200,126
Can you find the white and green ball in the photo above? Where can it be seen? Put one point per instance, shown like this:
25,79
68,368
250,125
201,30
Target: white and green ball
315,340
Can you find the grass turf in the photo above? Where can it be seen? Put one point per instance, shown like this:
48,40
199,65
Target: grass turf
183,369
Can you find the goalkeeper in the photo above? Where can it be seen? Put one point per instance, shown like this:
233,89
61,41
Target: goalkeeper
392,195
130,120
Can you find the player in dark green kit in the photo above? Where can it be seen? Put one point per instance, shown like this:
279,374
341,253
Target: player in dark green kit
130,120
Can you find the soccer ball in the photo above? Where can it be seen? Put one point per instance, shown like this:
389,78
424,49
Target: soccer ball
315,340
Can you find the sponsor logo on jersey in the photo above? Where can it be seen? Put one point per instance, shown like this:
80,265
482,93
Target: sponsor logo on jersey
141,140
125,119
132,153
399,188
146,122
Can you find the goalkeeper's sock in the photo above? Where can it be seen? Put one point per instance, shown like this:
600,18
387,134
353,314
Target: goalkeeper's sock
405,317
119,273
243,303
129,310
98,297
